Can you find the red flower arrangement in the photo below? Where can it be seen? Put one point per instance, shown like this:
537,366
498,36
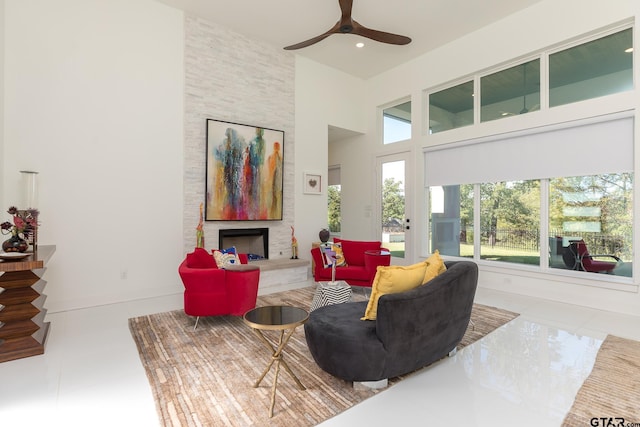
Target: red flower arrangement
21,227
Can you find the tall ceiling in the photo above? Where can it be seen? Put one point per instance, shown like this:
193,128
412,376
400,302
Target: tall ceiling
429,23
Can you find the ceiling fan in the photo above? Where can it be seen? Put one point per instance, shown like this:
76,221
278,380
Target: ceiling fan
348,25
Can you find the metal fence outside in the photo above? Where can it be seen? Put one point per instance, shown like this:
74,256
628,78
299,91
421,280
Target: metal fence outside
529,240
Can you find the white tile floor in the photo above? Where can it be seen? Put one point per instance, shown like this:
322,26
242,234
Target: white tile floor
525,373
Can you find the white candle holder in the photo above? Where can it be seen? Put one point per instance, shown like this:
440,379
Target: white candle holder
30,202
30,189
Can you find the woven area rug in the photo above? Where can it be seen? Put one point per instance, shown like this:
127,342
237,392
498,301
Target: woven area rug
205,377
612,390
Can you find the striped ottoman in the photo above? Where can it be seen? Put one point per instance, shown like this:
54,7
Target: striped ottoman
329,293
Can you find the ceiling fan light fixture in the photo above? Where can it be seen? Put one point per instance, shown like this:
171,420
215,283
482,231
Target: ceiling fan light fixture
346,29
347,25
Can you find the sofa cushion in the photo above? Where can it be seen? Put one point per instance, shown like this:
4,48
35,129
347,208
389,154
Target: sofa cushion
393,279
226,257
351,273
339,342
354,250
435,266
200,258
347,273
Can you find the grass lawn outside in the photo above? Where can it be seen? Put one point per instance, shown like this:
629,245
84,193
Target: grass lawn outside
396,248
502,254
489,253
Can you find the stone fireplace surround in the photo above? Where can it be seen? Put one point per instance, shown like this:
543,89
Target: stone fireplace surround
229,93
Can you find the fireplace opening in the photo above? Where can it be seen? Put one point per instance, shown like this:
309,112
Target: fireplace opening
252,241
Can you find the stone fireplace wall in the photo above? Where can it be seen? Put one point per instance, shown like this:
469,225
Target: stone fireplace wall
232,78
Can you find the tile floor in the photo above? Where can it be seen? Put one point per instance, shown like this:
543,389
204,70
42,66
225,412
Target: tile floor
525,373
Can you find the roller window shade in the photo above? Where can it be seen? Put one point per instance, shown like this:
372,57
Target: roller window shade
334,176
585,149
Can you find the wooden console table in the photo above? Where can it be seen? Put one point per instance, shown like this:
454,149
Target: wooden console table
23,331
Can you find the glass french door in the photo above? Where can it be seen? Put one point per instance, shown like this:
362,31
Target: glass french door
394,197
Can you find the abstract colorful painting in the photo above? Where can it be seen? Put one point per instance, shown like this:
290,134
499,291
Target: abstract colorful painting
244,172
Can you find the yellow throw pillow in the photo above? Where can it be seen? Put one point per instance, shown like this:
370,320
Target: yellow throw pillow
393,279
340,261
435,266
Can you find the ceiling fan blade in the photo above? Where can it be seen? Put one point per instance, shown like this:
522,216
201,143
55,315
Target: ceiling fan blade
379,36
345,7
315,39
308,42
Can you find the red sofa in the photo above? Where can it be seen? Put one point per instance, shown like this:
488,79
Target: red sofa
361,266
212,291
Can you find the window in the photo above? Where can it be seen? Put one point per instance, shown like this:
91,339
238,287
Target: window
521,219
334,217
397,123
451,213
510,222
596,209
393,204
589,70
510,92
451,108
600,67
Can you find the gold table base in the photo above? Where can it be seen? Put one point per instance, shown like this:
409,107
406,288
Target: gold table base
277,358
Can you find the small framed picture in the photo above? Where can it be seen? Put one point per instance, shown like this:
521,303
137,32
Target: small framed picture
312,183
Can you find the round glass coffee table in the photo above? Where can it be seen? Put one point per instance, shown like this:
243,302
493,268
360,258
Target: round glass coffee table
281,318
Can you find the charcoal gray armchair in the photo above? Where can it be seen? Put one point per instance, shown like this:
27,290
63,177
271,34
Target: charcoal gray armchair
413,329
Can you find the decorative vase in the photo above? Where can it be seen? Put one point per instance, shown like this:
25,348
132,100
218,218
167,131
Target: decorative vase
324,235
15,244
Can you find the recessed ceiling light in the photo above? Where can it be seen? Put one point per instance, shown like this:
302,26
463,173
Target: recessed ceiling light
629,50
359,45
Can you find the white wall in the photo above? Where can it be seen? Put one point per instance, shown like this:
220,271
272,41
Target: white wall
2,102
324,96
544,24
94,101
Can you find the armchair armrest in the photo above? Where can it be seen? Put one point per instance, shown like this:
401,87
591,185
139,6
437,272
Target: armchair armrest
605,256
201,279
242,284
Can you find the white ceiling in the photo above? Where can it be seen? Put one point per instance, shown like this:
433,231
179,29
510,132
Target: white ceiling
429,23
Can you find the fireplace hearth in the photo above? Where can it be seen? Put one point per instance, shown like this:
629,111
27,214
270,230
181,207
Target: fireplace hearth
253,241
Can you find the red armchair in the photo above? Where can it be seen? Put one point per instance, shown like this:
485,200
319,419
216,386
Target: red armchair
212,291
362,258
577,257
